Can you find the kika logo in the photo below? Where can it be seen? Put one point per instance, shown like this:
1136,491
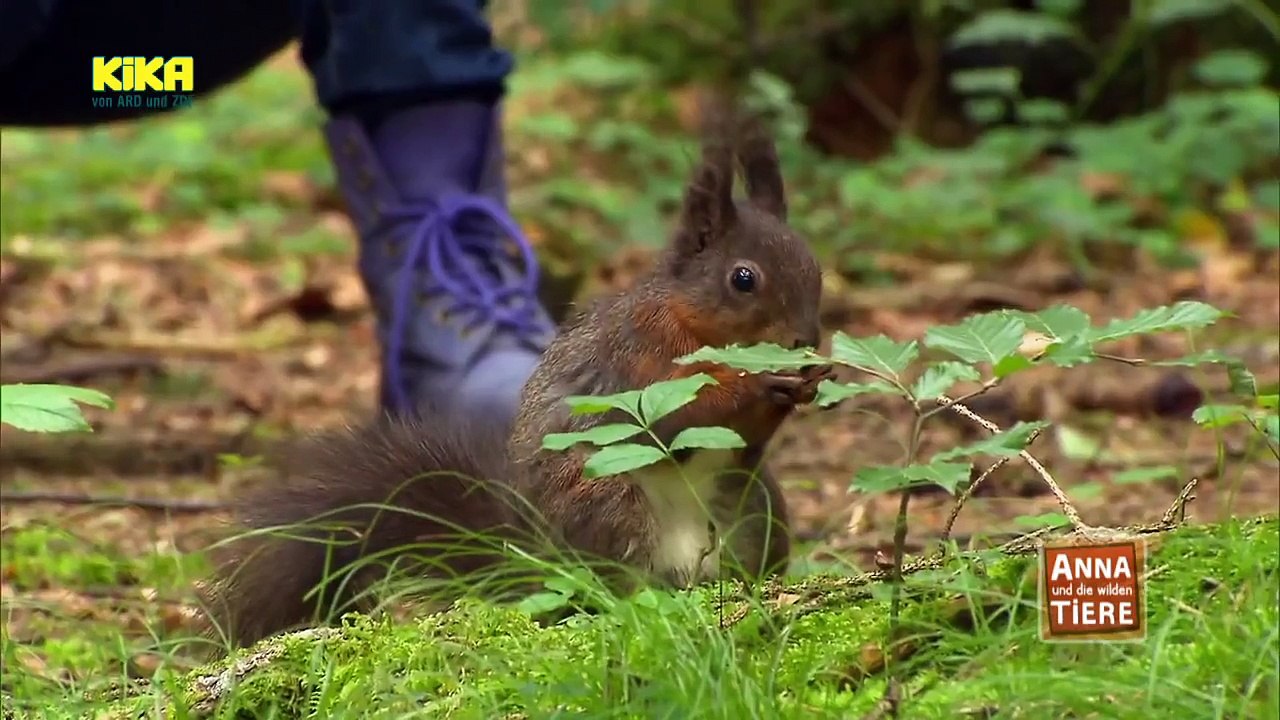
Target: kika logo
1093,592
140,74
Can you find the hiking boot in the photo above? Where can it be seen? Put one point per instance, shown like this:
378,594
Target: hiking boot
452,279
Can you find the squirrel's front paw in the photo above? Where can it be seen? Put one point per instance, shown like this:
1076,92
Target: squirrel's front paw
797,388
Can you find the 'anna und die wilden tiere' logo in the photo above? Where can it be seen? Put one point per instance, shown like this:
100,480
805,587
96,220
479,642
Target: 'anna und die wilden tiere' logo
1093,592
155,82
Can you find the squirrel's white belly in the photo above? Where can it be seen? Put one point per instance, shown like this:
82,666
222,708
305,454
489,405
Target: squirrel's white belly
685,549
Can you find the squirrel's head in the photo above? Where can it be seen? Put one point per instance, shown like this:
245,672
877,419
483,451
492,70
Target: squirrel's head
737,268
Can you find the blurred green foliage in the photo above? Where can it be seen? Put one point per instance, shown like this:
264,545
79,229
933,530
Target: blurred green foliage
1181,138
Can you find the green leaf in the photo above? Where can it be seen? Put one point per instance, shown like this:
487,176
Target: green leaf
1267,194
660,602
984,110
1013,26
1217,416
599,435
1085,491
663,398
48,408
711,438
1185,315
1006,442
991,80
603,71
1207,357
831,392
1043,520
765,357
621,458
1271,426
1234,67
1061,8
542,602
1069,353
1076,445
1243,384
938,379
1058,322
1163,12
989,337
1268,402
879,354
1041,111
883,478
1241,381
558,127
627,401
1011,364
1144,475
567,586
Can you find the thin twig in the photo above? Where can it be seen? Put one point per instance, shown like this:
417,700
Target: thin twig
1135,362
1263,15
921,89
1067,508
1179,506
900,530
888,705
986,387
1266,440
11,497
749,21
882,113
918,545
169,345
968,492
106,593
83,369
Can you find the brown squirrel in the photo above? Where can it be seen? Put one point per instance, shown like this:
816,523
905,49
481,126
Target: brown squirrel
415,490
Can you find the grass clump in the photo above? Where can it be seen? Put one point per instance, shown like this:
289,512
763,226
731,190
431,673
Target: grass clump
967,643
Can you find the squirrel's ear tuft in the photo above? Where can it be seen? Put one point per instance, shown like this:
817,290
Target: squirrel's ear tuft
708,209
759,158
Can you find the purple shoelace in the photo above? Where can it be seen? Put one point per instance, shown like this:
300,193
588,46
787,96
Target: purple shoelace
454,259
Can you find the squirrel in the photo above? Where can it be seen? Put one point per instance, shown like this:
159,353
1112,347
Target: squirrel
732,272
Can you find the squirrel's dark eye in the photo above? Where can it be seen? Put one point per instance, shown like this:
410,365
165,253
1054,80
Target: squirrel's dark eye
743,279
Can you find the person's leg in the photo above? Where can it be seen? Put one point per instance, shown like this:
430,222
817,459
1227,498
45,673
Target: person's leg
413,92
47,49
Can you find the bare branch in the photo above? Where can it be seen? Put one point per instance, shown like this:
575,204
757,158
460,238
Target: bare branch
973,487
173,505
1067,508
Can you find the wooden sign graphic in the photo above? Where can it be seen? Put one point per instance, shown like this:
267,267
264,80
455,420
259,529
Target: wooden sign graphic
1093,592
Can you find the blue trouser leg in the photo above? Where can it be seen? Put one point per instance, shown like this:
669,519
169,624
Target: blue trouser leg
363,53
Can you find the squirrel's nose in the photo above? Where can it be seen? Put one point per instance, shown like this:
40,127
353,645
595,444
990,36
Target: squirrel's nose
807,340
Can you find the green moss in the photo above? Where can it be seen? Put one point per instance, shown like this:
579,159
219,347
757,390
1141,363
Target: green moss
1210,652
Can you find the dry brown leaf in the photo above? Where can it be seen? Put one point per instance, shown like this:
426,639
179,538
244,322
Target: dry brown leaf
1034,344
289,186
347,293
1224,273
1103,185
145,664
785,600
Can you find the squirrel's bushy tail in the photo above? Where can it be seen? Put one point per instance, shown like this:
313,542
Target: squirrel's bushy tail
426,496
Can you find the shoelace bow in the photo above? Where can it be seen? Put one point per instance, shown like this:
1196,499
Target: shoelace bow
454,260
